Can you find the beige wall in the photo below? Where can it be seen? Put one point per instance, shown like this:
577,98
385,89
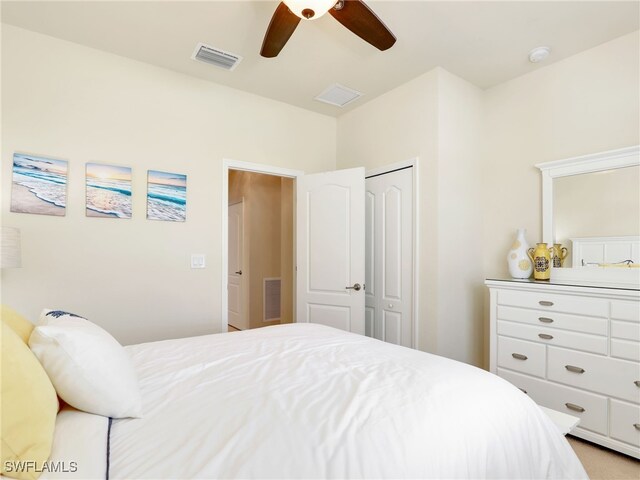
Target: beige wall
397,126
287,191
437,118
477,179
478,182
268,240
83,105
584,104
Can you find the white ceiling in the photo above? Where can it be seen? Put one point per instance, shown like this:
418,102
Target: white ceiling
484,42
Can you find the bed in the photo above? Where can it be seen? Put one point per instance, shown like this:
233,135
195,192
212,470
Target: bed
309,401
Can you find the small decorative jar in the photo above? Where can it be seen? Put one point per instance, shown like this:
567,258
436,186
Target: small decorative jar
517,259
559,254
541,258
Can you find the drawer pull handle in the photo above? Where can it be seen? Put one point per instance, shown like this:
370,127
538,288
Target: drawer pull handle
636,425
545,319
525,392
545,336
574,407
545,303
637,382
519,356
573,369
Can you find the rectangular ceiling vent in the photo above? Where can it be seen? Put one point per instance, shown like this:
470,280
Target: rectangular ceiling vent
215,56
338,95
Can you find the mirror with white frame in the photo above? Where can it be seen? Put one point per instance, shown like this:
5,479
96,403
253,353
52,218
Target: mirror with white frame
591,205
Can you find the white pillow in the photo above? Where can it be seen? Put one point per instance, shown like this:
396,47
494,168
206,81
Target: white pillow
89,369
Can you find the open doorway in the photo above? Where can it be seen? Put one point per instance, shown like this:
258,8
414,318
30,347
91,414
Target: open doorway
260,267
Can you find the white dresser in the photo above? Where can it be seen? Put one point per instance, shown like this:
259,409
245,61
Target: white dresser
574,349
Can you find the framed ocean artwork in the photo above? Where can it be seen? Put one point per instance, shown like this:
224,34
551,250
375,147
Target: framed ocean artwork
108,191
39,185
166,196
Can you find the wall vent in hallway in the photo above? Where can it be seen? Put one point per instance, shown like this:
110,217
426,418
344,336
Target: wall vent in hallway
271,293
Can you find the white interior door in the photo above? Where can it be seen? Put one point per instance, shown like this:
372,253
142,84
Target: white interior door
389,257
235,285
330,253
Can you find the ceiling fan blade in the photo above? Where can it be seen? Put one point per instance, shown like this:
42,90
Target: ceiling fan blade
360,19
283,24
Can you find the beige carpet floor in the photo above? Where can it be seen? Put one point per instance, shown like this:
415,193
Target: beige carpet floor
604,464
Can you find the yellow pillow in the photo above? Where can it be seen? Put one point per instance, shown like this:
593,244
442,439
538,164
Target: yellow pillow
17,322
28,407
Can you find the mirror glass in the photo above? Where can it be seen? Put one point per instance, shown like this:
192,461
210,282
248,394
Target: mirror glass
599,204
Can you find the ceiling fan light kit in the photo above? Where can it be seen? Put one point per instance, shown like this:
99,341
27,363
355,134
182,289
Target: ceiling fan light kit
309,9
352,14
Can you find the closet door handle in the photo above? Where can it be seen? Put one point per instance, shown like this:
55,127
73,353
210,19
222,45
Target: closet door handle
239,272
519,356
545,336
636,426
574,407
545,303
573,369
637,382
356,287
545,319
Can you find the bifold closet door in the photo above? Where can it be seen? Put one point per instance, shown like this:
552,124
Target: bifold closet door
389,257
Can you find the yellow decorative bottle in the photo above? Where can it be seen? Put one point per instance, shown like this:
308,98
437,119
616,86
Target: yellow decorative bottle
541,259
559,254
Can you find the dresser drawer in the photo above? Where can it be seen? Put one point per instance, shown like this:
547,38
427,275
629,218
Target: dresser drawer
596,326
526,357
624,310
626,349
594,307
605,375
529,385
550,336
589,407
625,422
625,330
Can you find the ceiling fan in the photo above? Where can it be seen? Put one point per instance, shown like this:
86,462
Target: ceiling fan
353,14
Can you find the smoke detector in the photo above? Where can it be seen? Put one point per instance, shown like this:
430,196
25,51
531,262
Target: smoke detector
538,54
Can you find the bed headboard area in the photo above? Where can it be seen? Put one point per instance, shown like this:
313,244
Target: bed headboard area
592,251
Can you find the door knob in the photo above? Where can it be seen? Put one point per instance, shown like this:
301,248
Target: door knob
356,287
239,272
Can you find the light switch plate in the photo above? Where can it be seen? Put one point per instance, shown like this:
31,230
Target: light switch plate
198,260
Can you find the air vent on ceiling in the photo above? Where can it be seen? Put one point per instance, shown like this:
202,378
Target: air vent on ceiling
338,95
215,56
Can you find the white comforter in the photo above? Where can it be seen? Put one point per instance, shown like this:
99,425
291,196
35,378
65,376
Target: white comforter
308,401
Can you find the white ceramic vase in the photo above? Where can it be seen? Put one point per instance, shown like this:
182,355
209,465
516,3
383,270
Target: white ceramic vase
517,259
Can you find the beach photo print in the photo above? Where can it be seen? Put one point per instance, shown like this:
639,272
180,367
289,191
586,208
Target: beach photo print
166,196
39,185
108,191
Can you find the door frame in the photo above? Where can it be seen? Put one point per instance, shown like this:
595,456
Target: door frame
413,163
229,164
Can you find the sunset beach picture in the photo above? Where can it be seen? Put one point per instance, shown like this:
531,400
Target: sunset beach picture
39,185
108,191
166,196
